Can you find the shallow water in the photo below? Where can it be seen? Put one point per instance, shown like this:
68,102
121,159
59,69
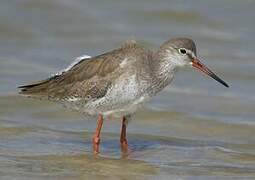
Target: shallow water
194,129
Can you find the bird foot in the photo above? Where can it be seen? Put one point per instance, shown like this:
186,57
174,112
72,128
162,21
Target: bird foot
124,146
96,143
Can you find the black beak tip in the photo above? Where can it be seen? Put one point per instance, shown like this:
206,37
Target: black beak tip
226,85
218,79
222,82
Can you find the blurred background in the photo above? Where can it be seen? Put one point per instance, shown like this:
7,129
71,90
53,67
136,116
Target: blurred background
195,128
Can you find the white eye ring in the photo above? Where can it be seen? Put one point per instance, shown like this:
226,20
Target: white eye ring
183,51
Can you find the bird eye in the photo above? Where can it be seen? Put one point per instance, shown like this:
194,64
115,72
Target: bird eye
182,51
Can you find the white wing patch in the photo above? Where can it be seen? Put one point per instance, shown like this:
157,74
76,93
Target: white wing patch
124,63
73,99
76,61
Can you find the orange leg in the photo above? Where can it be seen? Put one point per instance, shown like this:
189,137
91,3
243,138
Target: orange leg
123,136
96,137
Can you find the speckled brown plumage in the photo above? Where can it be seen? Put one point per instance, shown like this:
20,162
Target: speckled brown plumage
90,78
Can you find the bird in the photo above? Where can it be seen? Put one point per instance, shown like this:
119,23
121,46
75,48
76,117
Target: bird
119,81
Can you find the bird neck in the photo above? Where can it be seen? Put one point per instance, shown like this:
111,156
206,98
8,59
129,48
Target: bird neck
163,70
163,66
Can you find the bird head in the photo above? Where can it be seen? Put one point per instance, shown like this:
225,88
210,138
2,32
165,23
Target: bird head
182,52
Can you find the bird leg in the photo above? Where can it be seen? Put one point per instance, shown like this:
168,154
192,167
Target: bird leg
123,138
96,137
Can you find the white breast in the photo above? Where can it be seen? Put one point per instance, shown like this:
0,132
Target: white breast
124,96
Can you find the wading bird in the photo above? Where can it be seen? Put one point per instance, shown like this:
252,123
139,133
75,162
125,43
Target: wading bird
118,81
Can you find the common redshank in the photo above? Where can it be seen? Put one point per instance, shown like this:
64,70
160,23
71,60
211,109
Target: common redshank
119,81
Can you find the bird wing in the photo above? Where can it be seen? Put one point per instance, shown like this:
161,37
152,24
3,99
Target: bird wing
90,78
76,61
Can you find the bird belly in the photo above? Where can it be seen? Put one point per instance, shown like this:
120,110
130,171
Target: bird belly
128,108
124,97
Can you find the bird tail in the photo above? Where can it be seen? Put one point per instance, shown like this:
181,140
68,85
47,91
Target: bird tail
39,88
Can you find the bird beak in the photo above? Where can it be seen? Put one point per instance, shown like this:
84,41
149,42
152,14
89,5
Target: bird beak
201,67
